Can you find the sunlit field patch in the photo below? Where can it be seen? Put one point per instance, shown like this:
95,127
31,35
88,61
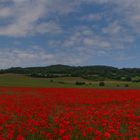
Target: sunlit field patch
69,114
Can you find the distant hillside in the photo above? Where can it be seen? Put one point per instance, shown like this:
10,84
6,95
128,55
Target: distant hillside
87,72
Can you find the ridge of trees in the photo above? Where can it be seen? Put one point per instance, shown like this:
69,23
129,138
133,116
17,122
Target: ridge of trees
97,72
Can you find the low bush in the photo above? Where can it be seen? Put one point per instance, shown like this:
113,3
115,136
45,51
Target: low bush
80,83
101,84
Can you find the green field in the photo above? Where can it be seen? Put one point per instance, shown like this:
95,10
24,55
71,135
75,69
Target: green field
26,81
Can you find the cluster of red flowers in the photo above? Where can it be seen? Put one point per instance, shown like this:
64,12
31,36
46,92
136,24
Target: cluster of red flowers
67,114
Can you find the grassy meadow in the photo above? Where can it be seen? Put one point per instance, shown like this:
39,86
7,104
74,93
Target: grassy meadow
67,82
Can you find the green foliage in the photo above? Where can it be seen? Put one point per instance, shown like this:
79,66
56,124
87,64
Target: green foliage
79,83
96,73
60,82
127,78
101,84
126,85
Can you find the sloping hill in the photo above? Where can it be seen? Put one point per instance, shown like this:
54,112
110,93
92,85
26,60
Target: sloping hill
87,72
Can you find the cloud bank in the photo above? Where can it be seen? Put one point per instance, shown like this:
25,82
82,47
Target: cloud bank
74,31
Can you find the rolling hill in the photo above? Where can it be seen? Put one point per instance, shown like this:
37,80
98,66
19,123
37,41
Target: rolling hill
97,73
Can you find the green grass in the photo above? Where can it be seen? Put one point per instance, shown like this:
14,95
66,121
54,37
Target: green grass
26,81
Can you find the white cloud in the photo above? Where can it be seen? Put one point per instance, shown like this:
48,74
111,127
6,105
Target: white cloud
85,36
5,12
48,27
128,11
27,57
24,15
79,43
113,28
36,56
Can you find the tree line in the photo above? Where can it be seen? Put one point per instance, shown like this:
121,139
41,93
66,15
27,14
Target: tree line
97,73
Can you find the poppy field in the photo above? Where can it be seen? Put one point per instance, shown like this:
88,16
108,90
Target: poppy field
69,114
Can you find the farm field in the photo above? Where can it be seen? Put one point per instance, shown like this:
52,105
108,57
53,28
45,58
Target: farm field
69,114
16,80
69,70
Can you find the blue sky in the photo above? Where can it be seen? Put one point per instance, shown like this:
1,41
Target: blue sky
71,32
